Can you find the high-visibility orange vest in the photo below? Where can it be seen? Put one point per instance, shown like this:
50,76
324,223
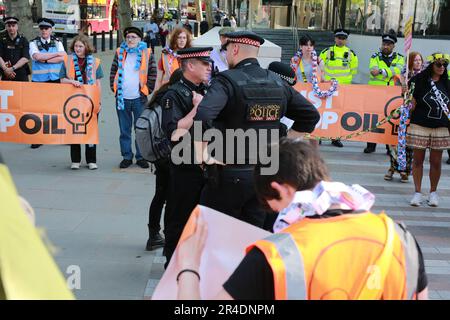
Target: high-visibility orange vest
352,256
143,70
170,64
70,67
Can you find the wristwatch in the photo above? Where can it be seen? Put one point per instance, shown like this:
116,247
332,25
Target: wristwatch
14,68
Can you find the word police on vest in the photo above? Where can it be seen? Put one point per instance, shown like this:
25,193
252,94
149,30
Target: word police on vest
259,112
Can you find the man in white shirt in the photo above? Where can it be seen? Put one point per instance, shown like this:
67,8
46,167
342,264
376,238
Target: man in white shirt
151,29
218,55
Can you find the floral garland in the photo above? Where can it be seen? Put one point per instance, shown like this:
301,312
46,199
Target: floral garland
124,47
437,93
172,56
315,82
89,68
404,116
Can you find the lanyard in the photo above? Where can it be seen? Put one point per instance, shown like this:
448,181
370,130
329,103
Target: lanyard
303,71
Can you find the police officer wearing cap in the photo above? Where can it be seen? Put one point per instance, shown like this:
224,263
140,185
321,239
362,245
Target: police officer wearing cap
14,55
340,63
47,54
249,99
179,106
385,67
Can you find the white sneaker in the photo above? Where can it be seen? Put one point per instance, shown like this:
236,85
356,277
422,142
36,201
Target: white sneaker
92,166
416,201
433,199
75,166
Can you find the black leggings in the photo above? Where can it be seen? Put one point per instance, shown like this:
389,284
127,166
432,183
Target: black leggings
161,195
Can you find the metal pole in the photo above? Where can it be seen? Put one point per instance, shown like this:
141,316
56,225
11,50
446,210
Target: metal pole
118,38
103,41
64,41
94,40
111,34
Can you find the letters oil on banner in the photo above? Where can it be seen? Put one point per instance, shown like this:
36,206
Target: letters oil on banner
354,108
46,113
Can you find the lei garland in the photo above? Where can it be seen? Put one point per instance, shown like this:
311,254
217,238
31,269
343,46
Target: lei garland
404,116
315,82
437,93
89,68
124,47
172,56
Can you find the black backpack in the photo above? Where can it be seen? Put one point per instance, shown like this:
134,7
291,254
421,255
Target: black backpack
150,137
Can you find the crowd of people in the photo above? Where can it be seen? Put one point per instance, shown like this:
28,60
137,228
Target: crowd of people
222,89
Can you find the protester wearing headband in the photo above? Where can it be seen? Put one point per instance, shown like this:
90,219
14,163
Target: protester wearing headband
429,124
327,242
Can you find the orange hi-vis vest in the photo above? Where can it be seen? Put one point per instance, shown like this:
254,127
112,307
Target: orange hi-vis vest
143,70
70,67
170,64
351,256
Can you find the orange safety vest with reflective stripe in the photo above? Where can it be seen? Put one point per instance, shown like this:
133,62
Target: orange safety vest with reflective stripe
70,67
143,70
170,64
352,256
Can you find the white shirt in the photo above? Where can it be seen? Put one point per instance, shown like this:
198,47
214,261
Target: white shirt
34,49
130,81
219,58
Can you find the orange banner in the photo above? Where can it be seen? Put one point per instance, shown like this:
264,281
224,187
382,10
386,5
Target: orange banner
354,108
47,113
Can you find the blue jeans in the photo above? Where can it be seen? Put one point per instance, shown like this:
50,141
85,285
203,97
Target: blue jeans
132,109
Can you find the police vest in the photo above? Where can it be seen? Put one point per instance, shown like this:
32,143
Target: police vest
43,72
258,104
340,63
143,71
393,67
170,64
352,256
70,68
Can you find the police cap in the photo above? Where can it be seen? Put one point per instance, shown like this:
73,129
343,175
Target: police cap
134,30
225,30
284,71
341,33
244,37
387,37
201,53
12,20
45,22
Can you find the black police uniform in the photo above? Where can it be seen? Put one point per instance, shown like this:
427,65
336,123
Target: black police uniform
232,97
11,51
186,180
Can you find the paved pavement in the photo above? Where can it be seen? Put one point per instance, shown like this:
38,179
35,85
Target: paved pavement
97,219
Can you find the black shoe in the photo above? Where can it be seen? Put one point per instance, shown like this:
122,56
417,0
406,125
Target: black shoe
448,161
143,164
337,143
35,146
154,242
125,163
369,150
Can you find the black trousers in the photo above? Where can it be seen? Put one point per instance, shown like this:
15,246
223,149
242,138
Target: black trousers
161,195
186,184
235,195
90,152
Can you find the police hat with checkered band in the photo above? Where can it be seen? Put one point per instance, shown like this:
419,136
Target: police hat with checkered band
387,37
284,71
340,32
45,22
201,53
244,37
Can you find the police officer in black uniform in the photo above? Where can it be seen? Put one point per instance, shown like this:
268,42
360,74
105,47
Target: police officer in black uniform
14,52
179,106
251,98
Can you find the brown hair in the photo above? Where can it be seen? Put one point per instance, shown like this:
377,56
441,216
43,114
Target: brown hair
89,49
174,37
412,56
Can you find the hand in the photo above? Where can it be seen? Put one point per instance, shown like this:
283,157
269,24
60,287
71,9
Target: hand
375,72
10,74
196,98
76,83
190,250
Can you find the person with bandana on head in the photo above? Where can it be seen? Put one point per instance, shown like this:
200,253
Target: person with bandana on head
47,54
14,52
340,63
132,79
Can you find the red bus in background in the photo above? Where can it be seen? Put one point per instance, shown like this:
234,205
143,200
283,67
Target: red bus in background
71,16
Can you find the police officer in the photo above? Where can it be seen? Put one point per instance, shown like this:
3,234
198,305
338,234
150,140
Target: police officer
340,63
47,54
385,66
179,105
14,55
251,99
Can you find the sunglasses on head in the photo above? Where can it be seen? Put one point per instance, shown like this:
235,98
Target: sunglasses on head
441,64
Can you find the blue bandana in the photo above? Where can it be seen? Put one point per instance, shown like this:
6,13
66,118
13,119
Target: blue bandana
124,47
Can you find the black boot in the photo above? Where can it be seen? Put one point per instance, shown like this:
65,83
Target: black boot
155,240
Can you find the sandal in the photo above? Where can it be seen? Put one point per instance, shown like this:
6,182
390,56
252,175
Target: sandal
404,177
388,175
